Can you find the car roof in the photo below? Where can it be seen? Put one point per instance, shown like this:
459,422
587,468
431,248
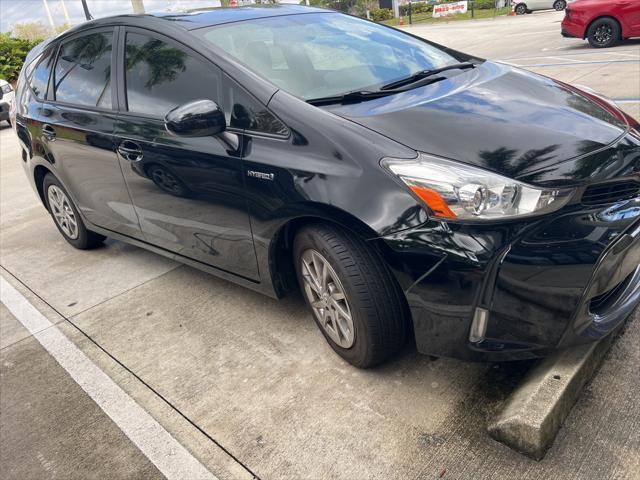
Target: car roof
208,17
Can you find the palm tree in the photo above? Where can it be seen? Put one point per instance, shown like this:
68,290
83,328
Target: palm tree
165,63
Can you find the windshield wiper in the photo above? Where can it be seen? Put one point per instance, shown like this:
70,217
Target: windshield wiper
426,73
351,97
391,88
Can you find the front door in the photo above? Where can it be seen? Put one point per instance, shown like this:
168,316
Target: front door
630,15
188,192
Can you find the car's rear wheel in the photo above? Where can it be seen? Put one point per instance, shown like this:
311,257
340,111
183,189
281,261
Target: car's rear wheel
560,5
603,33
354,299
521,9
66,216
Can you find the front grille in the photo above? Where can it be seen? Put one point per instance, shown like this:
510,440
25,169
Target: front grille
611,192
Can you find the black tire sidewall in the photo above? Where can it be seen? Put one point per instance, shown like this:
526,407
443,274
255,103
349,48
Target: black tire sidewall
615,33
359,352
519,7
560,2
85,238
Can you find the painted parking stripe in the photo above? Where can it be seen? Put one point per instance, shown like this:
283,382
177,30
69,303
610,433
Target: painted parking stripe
626,100
574,63
573,54
164,451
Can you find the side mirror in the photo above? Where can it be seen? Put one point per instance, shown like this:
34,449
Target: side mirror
200,118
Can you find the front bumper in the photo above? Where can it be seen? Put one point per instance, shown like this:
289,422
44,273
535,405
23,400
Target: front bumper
547,284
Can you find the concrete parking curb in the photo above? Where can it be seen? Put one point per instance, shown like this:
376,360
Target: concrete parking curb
537,408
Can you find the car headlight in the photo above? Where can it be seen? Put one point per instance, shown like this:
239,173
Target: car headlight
7,88
456,191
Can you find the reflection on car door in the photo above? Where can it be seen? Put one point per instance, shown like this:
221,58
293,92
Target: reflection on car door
77,124
188,192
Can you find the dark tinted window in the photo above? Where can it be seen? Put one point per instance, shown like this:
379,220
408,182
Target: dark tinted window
245,112
83,71
161,76
39,76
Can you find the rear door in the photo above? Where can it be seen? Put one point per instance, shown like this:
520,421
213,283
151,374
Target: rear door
189,193
77,123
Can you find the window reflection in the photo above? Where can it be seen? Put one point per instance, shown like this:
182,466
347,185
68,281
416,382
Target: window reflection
83,71
160,76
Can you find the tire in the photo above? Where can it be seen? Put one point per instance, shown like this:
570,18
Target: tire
58,200
520,9
560,5
603,33
372,297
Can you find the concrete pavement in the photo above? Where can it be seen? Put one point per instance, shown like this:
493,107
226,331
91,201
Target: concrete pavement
247,384
534,42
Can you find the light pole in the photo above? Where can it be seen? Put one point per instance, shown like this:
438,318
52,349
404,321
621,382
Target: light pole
138,7
49,17
65,13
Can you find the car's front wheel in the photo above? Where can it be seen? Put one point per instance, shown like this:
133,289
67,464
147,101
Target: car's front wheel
355,300
521,9
66,216
603,33
560,5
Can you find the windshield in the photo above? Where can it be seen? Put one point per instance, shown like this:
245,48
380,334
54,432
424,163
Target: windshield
325,54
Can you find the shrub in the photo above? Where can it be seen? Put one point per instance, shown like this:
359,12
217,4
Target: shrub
381,14
13,51
483,4
415,8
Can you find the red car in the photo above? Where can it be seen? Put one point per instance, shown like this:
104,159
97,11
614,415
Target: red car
603,22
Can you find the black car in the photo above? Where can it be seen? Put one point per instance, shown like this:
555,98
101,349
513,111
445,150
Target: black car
409,190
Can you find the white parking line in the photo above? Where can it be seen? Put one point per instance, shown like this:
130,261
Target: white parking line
164,451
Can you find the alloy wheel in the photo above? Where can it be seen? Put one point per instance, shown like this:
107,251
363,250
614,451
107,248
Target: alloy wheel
327,298
560,5
603,34
62,212
521,9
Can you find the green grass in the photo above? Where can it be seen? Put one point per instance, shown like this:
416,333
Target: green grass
428,17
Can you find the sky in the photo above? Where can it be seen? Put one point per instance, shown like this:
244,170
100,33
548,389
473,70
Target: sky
21,11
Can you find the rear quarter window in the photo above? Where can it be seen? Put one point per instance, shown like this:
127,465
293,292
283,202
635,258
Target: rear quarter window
38,77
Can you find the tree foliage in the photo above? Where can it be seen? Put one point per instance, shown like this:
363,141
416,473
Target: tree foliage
13,51
31,31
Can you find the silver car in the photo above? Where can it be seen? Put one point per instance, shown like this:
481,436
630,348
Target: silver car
527,6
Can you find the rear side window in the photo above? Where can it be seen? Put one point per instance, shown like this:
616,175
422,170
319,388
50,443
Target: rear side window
160,76
83,71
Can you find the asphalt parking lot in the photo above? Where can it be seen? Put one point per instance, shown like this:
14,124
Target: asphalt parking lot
245,385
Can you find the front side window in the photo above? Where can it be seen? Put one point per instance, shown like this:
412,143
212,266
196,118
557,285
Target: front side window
83,71
324,54
160,76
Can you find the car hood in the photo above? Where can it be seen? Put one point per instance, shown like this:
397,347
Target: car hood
496,117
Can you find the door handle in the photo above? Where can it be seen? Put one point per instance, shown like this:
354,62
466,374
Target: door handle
49,132
130,151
